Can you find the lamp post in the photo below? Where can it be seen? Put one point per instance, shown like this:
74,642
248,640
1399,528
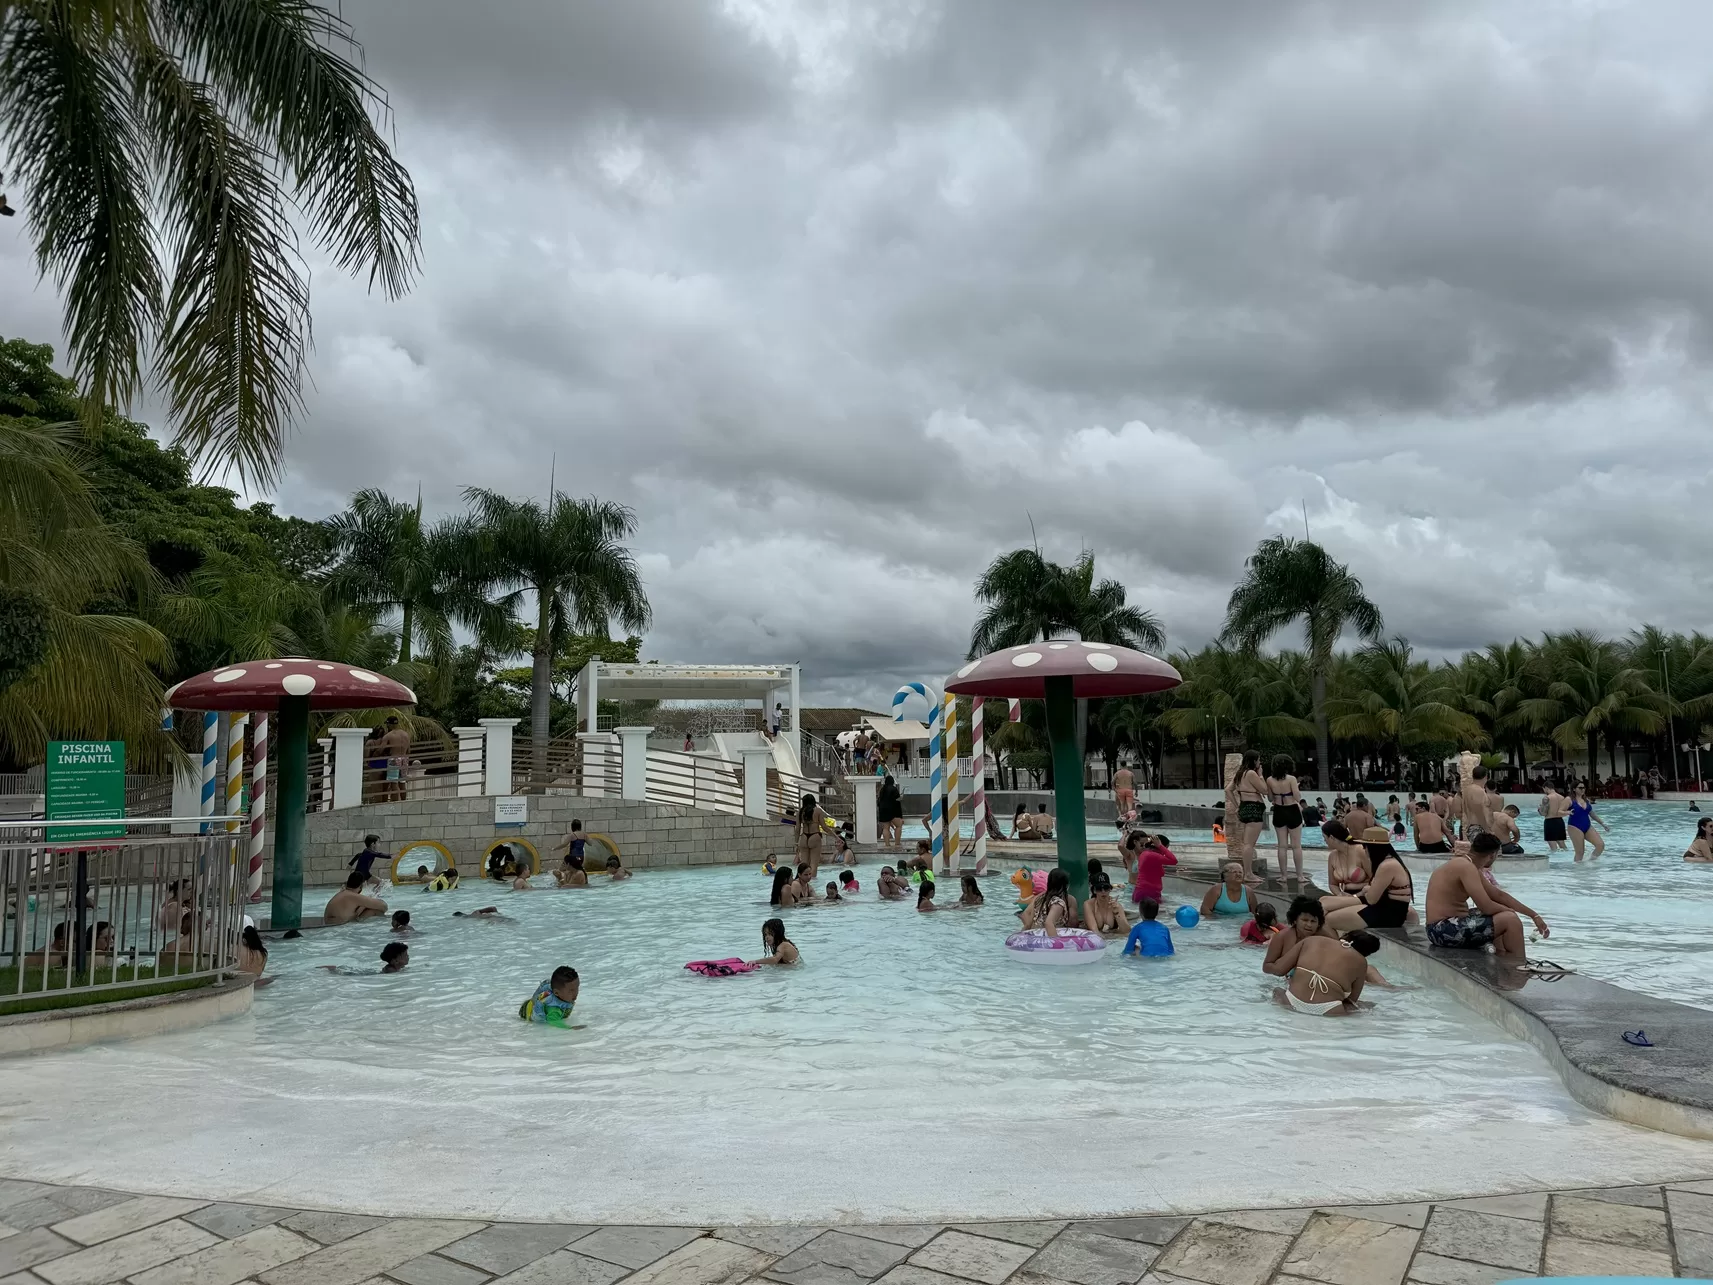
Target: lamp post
1670,726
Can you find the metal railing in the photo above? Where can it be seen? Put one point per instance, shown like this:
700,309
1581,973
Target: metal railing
695,781
116,913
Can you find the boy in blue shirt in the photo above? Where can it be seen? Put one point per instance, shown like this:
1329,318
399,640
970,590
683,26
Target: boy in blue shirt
1150,936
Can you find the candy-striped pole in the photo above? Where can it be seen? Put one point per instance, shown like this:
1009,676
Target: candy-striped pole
978,785
258,805
936,837
949,721
236,725
210,759
1014,709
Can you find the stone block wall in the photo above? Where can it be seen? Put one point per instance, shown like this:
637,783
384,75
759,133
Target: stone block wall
648,835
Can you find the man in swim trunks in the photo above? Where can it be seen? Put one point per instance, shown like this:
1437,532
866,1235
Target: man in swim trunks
349,903
1466,912
1326,974
1510,835
1553,807
1123,790
395,747
1472,803
1430,830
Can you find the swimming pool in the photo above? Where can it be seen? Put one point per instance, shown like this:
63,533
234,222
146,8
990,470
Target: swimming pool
907,1070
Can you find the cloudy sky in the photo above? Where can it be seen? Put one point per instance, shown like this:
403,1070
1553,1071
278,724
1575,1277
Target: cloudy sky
841,295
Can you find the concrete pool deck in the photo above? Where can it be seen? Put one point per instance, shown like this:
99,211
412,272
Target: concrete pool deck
58,1235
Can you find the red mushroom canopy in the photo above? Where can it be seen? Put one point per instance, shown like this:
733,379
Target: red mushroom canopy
261,684
1095,669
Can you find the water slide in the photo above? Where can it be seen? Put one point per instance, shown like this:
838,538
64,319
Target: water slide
731,746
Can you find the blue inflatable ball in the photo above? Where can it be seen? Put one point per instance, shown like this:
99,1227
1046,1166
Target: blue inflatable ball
1187,916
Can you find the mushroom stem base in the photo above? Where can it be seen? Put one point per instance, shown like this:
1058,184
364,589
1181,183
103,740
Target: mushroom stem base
1069,824
291,796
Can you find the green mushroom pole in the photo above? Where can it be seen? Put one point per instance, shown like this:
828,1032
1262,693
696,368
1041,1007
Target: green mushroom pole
1067,783
291,796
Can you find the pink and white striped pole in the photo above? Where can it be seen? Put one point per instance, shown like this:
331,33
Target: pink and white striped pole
978,785
258,805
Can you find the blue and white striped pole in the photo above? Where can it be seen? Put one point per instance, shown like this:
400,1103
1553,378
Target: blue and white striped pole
210,757
936,825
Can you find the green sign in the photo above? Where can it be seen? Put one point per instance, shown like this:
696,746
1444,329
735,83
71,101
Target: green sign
86,781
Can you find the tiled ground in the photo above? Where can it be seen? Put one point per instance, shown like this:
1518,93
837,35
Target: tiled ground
53,1235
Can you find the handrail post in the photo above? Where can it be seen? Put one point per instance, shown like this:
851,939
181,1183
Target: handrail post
498,755
633,770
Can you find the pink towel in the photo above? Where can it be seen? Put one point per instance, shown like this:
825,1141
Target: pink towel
719,967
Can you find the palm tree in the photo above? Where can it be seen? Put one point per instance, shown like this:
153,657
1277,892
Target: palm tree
1027,598
78,671
1593,691
207,130
390,561
568,556
1398,702
1286,581
1228,697
1493,684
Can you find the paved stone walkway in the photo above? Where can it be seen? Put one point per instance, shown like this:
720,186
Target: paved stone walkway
87,1236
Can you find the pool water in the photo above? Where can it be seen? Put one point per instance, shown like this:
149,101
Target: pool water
906,1070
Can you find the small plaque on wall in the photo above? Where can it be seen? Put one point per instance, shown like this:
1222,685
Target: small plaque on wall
511,809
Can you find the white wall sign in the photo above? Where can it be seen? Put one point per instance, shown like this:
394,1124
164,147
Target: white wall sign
512,809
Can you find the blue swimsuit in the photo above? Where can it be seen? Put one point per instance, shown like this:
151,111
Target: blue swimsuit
1580,816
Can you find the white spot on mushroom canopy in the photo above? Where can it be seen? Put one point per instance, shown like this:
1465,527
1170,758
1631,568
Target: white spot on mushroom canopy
1027,659
1058,646
324,666
298,684
364,676
1106,664
1098,646
228,675
273,665
968,669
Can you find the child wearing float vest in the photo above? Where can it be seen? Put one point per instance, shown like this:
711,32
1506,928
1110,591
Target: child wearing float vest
553,999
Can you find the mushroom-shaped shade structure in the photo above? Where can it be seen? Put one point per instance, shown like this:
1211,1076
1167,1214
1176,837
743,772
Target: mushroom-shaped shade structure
289,687
1062,671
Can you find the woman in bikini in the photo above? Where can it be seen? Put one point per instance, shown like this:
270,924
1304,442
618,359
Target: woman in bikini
810,823
1385,902
1326,974
1347,867
780,948
1251,792
1581,823
784,887
1101,913
1053,909
1701,847
1287,813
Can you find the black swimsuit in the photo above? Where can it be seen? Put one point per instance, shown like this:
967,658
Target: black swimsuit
1389,911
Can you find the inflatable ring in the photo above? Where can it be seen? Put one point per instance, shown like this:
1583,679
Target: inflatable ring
1070,946
525,844
447,863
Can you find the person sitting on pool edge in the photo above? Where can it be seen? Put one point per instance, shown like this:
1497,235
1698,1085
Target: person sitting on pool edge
1385,900
615,869
1231,897
1101,912
1466,912
892,887
1430,829
1149,937
349,904
1511,834
781,949
553,999
1326,974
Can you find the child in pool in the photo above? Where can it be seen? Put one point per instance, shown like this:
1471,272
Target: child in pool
571,874
553,999
401,921
616,871
1150,936
925,897
971,893
1259,930
520,880
892,886
848,883
832,893
781,949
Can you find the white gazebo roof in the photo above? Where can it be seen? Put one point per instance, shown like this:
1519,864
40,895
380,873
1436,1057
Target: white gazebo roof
619,680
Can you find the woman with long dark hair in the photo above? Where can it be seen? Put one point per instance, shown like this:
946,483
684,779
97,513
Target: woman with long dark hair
1386,899
810,822
889,812
784,886
780,948
1055,908
1701,847
1250,790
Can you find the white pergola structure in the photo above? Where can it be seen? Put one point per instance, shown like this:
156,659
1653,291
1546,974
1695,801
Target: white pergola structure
767,684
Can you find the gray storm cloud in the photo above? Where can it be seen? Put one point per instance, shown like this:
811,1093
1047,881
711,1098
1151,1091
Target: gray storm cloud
843,296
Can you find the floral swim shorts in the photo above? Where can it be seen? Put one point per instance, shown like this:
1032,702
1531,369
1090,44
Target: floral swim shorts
1461,932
